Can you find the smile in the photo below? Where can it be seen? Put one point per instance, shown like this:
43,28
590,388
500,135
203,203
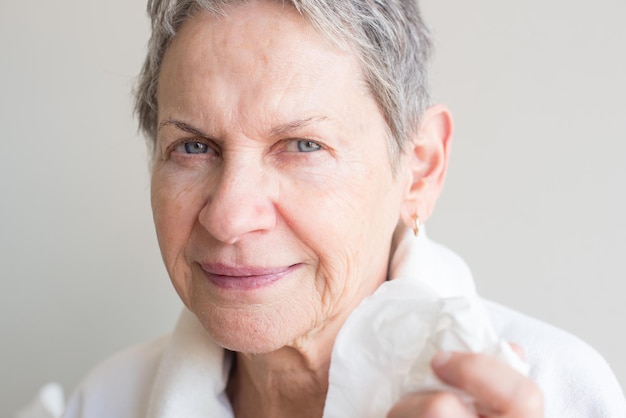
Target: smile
245,278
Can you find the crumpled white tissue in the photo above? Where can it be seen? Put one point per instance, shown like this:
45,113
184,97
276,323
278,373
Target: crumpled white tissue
384,349
49,403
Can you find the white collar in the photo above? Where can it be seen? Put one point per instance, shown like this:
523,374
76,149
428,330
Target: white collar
424,261
192,376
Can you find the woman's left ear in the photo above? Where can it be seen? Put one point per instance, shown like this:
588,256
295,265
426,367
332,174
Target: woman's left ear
428,155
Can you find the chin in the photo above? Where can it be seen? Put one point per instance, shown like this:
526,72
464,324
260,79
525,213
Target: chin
253,329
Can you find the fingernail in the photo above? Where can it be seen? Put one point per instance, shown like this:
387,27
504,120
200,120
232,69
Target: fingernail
440,359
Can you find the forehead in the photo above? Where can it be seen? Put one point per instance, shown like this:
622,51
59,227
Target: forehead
256,50
252,37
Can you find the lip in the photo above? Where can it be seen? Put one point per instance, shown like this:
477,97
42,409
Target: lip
245,277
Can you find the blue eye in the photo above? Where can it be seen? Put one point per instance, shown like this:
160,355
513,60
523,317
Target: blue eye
194,147
308,146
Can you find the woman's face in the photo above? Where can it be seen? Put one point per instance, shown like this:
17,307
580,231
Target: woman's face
272,190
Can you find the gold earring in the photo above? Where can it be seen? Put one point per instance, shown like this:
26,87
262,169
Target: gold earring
416,224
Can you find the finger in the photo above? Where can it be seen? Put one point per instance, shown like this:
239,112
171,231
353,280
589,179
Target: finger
498,389
430,405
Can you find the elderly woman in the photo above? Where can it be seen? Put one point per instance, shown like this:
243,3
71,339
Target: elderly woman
295,159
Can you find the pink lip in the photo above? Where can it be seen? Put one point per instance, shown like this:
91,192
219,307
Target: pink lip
245,277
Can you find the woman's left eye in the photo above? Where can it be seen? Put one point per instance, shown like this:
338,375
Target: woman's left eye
304,145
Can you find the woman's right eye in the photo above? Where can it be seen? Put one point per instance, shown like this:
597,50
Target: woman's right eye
192,147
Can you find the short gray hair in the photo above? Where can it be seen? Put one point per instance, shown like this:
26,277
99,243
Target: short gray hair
392,43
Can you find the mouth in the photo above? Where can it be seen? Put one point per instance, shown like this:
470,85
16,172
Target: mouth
245,277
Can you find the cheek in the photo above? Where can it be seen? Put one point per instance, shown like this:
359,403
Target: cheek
344,207
343,220
176,203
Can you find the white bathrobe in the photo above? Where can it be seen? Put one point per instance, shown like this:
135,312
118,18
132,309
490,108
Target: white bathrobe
184,374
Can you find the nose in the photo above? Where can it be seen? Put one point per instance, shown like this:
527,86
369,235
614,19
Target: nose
241,202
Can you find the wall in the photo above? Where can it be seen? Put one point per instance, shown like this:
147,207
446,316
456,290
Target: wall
80,271
536,194
534,201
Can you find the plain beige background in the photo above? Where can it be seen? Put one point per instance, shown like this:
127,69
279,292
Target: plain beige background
535,199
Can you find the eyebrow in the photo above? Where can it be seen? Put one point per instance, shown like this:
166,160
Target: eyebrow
183,126
293,126
279,130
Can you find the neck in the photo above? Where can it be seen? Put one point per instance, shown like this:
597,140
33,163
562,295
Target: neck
285,383
291,381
